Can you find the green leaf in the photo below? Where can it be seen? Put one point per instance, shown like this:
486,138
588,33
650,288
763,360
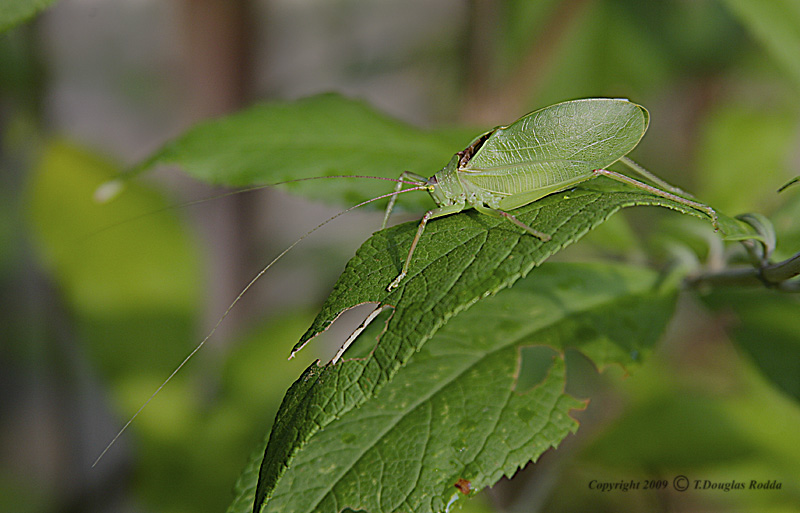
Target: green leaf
455,410
776,24
108,272
463,259
15,12
318,136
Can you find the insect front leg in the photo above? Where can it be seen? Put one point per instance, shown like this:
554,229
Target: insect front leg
658,192
505,215
431,214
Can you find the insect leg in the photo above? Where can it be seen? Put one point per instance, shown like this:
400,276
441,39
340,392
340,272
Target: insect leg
403,176
505,215
658,192
431,214
371,317
647,175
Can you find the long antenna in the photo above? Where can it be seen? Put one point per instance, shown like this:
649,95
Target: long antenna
102,197
230,307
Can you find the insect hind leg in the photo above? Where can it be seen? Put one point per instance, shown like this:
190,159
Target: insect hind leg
658,192
647,175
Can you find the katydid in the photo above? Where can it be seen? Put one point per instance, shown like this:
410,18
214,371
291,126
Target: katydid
545,152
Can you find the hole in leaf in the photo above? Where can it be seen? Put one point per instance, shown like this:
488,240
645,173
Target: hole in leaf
535,363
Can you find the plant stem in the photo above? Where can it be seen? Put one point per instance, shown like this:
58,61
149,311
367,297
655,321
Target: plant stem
775,276
782,271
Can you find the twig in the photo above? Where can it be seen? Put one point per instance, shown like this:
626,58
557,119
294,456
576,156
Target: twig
775,276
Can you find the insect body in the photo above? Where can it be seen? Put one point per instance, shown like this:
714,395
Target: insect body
547,151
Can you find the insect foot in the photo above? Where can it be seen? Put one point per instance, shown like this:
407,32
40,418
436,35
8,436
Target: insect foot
396,281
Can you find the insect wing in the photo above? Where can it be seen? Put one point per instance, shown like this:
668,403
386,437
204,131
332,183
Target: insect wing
556,145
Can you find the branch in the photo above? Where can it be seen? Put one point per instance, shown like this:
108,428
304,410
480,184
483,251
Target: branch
782,271
775,276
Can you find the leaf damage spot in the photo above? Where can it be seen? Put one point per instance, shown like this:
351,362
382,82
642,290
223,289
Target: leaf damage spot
463,486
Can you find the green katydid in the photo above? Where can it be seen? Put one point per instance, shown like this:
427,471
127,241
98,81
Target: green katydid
547,151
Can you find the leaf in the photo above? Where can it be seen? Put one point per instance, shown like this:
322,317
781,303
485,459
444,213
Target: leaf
776,24
317,136
15,12
463,259
87,261
460,260
454,412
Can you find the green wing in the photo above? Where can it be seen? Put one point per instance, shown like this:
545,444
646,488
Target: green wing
557,144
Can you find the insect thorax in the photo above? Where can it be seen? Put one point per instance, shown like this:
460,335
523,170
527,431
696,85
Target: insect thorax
450,187
447,189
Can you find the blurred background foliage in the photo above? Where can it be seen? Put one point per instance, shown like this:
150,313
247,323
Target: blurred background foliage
94,318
